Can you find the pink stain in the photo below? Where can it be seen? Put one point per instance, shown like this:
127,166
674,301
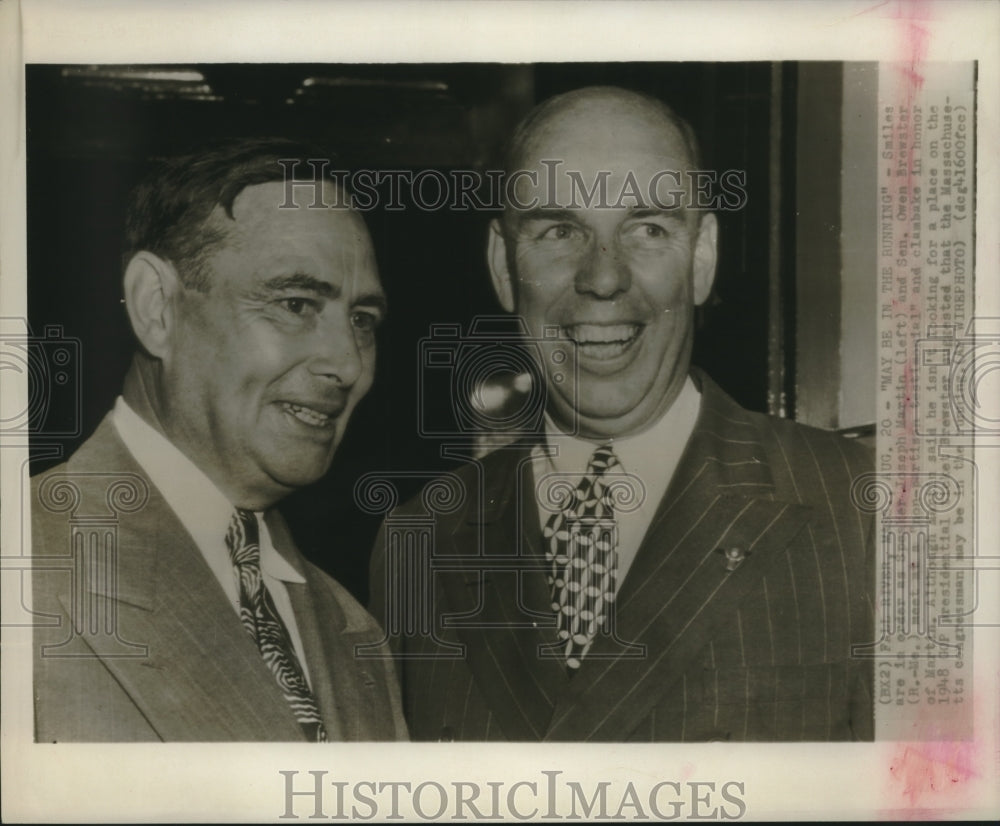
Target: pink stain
932,774
929,778
932,778
915,39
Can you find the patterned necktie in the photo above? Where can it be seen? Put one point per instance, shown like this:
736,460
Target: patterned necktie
262,621
582,541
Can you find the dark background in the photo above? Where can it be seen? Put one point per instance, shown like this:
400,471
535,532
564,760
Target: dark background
91,129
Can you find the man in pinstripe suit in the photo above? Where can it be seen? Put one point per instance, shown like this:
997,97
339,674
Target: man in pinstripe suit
723,600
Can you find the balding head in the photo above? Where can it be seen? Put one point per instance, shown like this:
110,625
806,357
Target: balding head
602,243
602,146
599,113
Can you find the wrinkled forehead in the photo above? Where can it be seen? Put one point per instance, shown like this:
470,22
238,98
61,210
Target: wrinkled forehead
623,151
311,235
270,212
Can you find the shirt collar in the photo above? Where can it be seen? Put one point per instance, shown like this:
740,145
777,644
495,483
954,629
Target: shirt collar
200,506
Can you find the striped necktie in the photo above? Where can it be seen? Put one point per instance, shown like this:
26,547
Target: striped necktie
263,623
582,552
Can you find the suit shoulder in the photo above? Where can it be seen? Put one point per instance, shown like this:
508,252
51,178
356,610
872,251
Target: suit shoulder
799,438
45,516
100,473
809,459
39,479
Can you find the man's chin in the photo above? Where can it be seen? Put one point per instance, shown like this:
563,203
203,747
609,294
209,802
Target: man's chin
600,421
291,475
596,409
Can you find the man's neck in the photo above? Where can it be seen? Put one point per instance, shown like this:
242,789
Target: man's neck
138,391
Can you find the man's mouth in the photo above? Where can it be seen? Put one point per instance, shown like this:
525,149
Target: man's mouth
308,415
603,341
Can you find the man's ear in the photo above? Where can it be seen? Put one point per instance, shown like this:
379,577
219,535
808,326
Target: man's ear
705,257
499,271
151,284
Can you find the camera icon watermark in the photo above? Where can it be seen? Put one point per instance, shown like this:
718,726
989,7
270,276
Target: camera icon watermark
958,380
492,379
51,364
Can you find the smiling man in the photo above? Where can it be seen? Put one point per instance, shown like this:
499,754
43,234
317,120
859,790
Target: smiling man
191,615
597,243
662,565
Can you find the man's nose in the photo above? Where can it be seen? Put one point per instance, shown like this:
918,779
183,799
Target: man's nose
603,271
336,353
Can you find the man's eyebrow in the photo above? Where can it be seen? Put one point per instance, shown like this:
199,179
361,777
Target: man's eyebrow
301,281
374,300
672,214
523,216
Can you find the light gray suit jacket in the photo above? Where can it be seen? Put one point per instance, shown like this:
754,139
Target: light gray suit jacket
136,641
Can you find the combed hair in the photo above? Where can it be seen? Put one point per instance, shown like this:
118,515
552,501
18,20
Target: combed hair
168,210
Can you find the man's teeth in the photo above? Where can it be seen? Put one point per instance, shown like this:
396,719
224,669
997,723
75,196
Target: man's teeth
307,414
602,333
603,341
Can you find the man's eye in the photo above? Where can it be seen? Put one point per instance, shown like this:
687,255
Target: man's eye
364,321
559,232
648,234
298,306
651,231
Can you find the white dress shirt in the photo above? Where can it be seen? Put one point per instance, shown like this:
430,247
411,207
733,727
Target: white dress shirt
206,514
652,456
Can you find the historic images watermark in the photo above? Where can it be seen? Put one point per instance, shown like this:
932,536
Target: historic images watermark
411,609
554,187
552,796
94,505
41,403
492,376
50,363
91,506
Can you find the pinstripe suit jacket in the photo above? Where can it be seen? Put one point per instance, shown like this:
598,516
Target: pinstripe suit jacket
158,652
702,652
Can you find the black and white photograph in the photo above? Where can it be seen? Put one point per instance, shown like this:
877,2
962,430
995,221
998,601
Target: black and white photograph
431,433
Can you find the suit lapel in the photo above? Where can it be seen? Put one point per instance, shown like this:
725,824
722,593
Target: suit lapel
510,617
341,683
313,632
681,589
203,678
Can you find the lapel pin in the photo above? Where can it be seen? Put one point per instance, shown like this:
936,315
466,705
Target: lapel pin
733,556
